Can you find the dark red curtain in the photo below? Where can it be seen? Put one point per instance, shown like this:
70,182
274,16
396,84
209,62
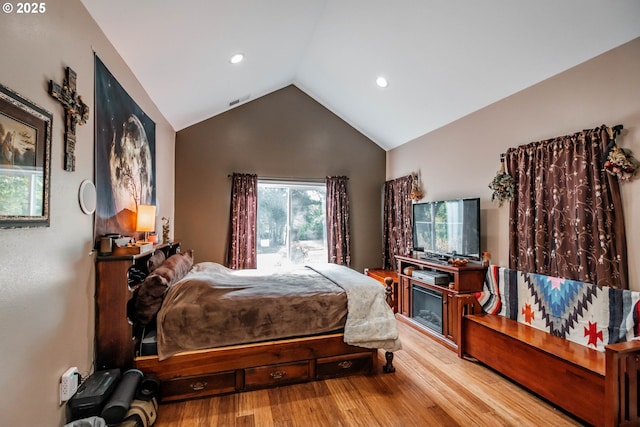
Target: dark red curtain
338,235
566,217
241,251
397,232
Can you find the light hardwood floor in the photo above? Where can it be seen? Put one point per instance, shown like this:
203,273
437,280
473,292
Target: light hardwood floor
431,387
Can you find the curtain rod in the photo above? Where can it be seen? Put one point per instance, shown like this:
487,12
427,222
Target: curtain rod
289,178
615,131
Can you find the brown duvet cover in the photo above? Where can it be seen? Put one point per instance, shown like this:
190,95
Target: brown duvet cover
214,306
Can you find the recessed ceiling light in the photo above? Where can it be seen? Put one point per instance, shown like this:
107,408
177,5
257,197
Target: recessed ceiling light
238,57
382,82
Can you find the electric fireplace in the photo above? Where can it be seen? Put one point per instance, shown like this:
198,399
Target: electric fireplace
427,307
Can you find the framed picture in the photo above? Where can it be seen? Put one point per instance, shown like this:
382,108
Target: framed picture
25,161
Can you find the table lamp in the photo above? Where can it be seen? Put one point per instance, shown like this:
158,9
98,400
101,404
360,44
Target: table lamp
146,220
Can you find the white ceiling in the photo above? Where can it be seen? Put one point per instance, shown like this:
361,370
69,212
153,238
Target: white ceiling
444,59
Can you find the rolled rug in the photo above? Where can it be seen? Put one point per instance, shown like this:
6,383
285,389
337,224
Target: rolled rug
149,388
118,404
142,413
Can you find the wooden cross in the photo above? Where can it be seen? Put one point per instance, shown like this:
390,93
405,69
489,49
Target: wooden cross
76,112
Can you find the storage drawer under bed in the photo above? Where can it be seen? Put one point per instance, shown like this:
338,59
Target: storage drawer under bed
340,366
271,375
198,386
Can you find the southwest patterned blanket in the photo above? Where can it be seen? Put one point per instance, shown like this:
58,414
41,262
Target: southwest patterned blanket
591,315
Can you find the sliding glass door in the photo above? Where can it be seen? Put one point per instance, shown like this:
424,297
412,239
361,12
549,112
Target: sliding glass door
291,223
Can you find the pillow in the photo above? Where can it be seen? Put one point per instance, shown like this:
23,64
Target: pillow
175,267
149,298
151,292
155,260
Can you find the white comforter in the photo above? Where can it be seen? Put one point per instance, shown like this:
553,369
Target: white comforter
370,321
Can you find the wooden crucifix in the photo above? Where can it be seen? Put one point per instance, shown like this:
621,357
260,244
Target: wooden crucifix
76,112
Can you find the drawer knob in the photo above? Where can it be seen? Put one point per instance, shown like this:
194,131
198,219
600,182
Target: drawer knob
346,364
199,385
276,375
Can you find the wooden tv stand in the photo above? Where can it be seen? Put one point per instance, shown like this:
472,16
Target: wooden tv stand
465,279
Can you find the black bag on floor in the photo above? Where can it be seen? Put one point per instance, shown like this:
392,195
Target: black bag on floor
92,394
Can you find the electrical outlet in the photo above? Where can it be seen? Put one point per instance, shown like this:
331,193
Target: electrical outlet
68,384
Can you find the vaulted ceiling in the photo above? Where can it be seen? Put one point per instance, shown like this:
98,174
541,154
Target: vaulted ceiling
443,59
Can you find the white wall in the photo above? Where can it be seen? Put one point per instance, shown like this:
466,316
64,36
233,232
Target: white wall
47,274
461,159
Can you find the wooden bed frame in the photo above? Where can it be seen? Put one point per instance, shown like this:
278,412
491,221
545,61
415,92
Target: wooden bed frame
219,370
251,366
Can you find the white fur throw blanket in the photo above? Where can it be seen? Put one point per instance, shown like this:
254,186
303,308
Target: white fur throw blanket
370,321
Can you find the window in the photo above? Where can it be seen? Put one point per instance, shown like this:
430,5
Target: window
291,223
21,191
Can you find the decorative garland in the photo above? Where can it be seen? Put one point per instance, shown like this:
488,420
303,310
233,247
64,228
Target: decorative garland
503,185
621,164
416,192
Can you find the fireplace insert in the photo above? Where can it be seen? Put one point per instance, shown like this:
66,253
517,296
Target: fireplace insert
427,307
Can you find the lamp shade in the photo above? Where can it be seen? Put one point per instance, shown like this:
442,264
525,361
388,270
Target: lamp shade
146,218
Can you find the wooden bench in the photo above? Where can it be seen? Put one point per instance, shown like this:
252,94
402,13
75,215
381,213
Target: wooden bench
599,388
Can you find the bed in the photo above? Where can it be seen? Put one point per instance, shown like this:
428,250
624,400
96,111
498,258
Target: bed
221,331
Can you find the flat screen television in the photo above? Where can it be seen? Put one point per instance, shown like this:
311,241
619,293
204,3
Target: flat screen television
447,228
